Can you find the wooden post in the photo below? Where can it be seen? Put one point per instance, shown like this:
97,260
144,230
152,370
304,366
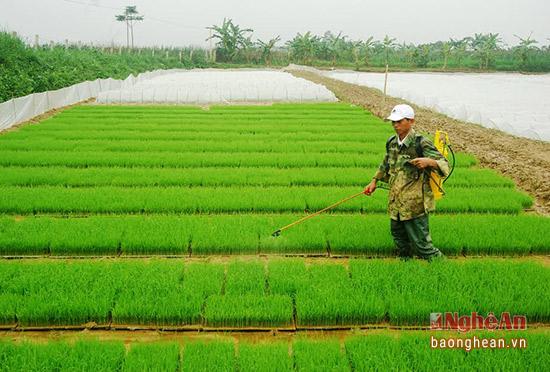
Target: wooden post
66,43
181,56
36,41
385,84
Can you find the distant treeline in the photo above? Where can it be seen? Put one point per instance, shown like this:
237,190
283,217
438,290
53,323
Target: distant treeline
477,52
26,69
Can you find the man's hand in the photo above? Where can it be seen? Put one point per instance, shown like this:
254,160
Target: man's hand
369,189
423,163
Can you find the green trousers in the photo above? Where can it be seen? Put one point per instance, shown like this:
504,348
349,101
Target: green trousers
413,236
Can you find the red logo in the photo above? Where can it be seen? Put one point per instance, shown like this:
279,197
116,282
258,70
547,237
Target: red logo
474,321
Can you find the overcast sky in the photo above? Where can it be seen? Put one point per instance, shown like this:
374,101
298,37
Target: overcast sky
182,23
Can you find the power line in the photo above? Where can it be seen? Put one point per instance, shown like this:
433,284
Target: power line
146,17
89,4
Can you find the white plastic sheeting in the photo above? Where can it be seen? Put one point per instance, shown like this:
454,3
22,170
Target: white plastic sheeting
512,102
220,86
21,109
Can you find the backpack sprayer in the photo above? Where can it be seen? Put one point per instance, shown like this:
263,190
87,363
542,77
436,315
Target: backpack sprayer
443,145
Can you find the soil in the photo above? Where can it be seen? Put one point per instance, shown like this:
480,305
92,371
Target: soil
255,337
525,161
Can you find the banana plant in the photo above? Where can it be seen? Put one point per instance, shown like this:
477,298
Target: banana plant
525,47
231,39
303,47
266,49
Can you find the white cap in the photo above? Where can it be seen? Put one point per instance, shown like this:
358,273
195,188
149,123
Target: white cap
400,112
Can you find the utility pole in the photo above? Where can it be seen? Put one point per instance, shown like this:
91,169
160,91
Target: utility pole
130,16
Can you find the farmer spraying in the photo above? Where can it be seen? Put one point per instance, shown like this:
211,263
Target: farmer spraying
406,167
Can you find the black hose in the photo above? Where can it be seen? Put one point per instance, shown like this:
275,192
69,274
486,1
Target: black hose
454,163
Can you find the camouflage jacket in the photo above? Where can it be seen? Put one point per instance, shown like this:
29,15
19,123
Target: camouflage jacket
410,194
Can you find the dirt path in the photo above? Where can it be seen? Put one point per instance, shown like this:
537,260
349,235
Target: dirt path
525,161
254,337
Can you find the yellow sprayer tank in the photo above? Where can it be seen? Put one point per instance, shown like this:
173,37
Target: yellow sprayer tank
441,140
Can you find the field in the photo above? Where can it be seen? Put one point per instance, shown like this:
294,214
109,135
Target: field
133,219
273,293
354,353
188,181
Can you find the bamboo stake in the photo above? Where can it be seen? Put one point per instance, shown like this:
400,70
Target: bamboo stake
385,84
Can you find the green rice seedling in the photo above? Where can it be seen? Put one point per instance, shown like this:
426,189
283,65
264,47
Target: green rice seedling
377,352
356,235
154,294
475,178
245,277
152,357
195,274
216,176
200,130
83,159
120,200
103,356
489,200
88,236
414,289
319,355
63,293
213,356
223,234
491,234
286,276
248,310
534,357
303,238
330,298
265,357
25,236
7,308
156,235
205,144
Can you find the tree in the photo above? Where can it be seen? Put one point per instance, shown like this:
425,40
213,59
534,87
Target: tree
356,49
388,44
334,44
525,47
446,48
408,52
266,49
303,47
459,48
130,16
484,46
367,47
421,55
231,39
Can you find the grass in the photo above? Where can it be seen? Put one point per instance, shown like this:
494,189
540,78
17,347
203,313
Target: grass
220,176
361,352
265,357
151,357
272,199
199,235
258,294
